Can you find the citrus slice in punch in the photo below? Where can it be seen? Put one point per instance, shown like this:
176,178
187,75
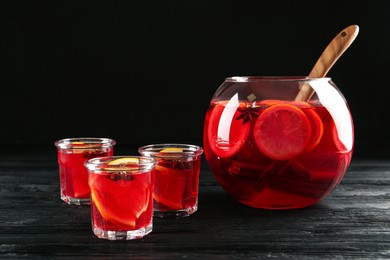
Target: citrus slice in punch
168,202
272,102
78,143
282,132
226,133
170,186
317,128
172,150
120,202
124,161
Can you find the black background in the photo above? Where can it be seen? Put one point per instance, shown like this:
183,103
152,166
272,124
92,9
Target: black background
144,72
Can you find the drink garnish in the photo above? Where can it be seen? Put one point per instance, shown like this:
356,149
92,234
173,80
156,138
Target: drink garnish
172,150
124,161
317,128
111,201
174,204
227,135
248,114
314,118
120,174
93,153
282,132
272,102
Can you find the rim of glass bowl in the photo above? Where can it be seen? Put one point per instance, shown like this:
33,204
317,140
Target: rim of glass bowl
272,78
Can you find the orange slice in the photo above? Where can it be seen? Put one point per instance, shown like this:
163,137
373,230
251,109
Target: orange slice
317,128
121,162
330,139
124,161
120,203
226,134
172,150
172,204
337,142
272,102
282,132
78,143
170,186
80,147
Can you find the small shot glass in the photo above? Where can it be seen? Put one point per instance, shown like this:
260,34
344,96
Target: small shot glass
177,171
121,193
72,153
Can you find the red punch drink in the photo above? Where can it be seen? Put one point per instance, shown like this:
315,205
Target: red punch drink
177,178
72,153
121,193
276,153
177,185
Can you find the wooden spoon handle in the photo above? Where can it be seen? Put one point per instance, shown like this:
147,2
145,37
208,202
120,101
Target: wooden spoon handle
331,54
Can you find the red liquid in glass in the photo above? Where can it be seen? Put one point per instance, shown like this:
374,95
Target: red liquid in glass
73,174
266,167
121,202
177,183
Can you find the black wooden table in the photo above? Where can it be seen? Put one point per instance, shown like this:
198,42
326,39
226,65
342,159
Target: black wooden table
353,222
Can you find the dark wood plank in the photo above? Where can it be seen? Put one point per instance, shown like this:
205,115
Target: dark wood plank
353,222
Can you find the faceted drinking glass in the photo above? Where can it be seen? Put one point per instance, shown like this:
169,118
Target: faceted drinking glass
121,193
177,178
72,153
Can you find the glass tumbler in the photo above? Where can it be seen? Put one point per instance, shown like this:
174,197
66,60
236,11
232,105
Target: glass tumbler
121,192
72,153
177,178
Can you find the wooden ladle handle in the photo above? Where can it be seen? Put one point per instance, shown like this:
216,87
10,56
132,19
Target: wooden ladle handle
328,58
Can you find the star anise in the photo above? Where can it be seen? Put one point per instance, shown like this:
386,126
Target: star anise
116,176
94,153
180,165
248,114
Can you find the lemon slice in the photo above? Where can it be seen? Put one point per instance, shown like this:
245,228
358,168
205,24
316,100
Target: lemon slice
79,147
172,150
168,202
122,161
282,132
119,204
78,142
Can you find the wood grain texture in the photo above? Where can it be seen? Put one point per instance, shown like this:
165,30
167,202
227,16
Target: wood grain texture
352,223
328,58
